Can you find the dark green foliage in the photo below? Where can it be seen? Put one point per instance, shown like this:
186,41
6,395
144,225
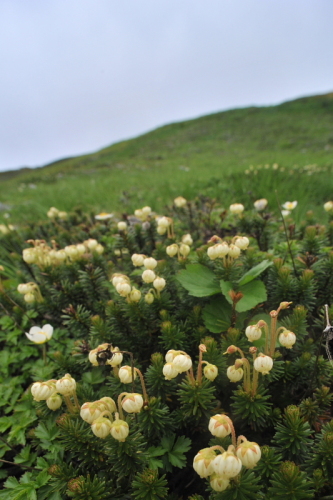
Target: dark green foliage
148,486
292,437
253,409
290,483
197,401
244,487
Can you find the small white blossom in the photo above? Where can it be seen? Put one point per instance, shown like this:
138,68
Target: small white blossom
40,335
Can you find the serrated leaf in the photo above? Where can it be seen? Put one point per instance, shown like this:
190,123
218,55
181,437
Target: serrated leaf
182,445
254,272
11,482
254,293
217,315
226,286
42,479
198,280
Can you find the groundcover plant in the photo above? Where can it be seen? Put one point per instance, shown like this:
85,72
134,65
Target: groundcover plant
168,356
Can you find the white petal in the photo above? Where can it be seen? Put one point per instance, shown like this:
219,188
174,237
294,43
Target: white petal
34,329
37,338
48,330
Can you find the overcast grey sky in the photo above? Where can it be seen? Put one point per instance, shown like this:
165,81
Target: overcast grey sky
77,75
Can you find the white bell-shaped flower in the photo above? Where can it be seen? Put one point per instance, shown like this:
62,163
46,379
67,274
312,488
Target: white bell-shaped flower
170,371
125,374
253,333
235,374
220,425
101,427
182,362
66,385
248,453
219,483
263,364
227,464
119,430
287,339
132,403
203,462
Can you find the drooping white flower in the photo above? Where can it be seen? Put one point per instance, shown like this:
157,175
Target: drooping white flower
260,204
172,250
242,242
159,283
202,462
148,276
187,239
122,225
54,402
150,263
180,202
227,464
211,372
119,430
137,259
125,374
235,374
91,411
263,364
132,403
66,385
219,483
234,251
182,362
248,453
236,208
43,390
253,333
328,206
101,427
170,371
287,339
40,335
220,425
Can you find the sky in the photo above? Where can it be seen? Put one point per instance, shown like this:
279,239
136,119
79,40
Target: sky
79,75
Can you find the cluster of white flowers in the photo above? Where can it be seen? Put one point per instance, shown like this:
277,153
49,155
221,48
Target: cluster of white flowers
163,225
176,362
143,213
106,354
52,390
180,249
99,414
221,249
43,255
30,291
54,213
288,206
222,467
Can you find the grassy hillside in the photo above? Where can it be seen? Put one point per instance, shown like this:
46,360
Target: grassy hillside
191,156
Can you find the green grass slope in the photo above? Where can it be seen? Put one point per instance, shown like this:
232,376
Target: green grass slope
183,158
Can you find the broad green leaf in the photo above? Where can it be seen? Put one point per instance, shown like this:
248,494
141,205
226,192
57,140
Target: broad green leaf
217,315
253,294
254,272
226,286
199,281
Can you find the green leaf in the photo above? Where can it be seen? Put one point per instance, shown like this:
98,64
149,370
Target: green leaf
198,280
176,455
226,286
217,315
253,294
254,272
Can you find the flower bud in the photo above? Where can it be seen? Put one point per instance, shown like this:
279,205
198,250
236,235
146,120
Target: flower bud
172,250
116,359
187,239
287,339
54,402
234,251
179,202
122,226
163,222
253,333
328,206
236,208
81,248
91,411
137,259
119,278
109,404
161,230
227,464
211,372
29,255
99,249
135,295
203,462
159,283
132,403
242,242
66,385
124,289
43,390
146,211
24,288
150,263
170,355
119,430
234,374
125,374
184,250
219,483
182,362
231,349
101,427
149,298
148,276
248,453
220,425
284,305
170,371
29,298
60,255
263,364
260,204
91,244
